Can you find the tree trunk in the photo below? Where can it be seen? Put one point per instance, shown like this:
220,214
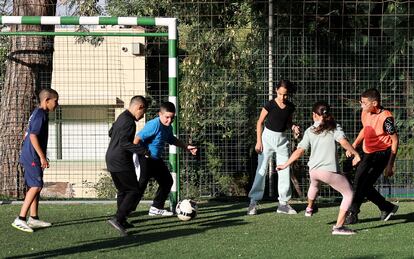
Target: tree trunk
28,69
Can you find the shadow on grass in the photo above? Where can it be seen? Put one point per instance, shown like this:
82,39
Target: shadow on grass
394,220
224,216
116,243
79,221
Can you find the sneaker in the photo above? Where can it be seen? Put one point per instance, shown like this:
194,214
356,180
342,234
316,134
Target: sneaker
286,209
252,210
36,223
351,218
126,224
21,225
308,212
385,216
118,226
342,230
157,212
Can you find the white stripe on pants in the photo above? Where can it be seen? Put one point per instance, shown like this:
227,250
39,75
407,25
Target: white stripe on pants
279,143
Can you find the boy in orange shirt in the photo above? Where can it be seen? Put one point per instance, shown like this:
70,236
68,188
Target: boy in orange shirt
380,144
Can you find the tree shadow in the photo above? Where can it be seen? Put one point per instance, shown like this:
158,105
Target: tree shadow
394,220
119,243
79,221
225,216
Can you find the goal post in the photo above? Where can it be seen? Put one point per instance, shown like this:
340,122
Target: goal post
170,23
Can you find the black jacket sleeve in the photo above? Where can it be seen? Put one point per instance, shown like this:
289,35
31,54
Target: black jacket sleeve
126,143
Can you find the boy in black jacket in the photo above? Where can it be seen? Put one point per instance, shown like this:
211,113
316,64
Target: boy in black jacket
119,160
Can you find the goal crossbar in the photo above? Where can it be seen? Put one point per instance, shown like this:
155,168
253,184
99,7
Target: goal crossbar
170,23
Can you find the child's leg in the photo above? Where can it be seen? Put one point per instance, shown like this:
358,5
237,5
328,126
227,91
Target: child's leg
310,203
127,184
283,182
341,184
164,179
35,205
257,190
29,200
341,217
379,162
313,188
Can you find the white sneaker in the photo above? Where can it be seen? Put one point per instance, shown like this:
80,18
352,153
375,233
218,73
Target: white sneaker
286,209
157,212
21,225
252,210
36,223
308,212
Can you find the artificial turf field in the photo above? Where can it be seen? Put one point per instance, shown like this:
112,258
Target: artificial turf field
220,230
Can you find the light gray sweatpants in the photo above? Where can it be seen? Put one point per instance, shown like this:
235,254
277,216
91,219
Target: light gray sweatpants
279,143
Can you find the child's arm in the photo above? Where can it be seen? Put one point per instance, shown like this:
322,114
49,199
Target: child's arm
359,139
137,140
35,143
259,131
351,150
179,143
389,171
295,156
357,142
295,128
125,142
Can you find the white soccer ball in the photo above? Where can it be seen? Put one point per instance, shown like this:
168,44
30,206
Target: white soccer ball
186,209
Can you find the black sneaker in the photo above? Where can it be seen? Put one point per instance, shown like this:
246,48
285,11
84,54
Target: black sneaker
386,215
118,226
351,218
126,224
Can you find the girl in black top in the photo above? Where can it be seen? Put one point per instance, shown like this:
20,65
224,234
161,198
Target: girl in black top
276,115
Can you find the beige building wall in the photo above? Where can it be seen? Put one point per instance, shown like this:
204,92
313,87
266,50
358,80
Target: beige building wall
95,84
107,74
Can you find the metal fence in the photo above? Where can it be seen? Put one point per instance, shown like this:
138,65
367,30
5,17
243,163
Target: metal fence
332,50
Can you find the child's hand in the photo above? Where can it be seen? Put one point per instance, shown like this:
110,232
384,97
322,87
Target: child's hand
389,171
259,147
136,140
296,131
348,154
192,149
281,167
44,163
356,160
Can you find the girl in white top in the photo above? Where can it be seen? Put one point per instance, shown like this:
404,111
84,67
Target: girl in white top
321,137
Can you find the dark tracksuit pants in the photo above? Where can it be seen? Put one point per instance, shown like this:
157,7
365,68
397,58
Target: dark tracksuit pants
157,169
127,185
368,171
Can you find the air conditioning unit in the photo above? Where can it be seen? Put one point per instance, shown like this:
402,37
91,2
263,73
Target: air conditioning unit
137,49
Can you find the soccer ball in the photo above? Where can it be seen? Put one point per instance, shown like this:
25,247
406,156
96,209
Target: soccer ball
186,209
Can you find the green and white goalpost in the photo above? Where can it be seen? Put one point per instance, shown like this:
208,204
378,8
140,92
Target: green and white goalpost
171,23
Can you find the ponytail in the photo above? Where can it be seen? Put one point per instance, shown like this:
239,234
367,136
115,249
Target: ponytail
328,122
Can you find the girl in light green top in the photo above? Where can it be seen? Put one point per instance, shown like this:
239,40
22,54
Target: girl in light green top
321,137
